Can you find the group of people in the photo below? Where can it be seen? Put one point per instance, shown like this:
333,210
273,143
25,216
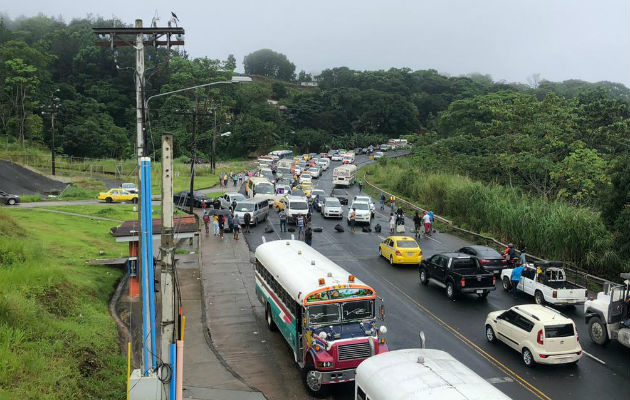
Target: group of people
224,179
392,202
518,265
219,222
303,224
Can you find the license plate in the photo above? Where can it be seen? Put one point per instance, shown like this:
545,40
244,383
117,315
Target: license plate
410,254
479,291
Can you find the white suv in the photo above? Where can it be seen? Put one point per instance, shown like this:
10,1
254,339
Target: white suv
541,334
368,200
363,213
332,208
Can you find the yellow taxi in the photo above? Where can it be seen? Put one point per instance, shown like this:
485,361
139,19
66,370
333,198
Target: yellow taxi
306,188
400,250
118,194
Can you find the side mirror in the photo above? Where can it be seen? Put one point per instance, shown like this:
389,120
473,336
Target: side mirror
423,341
381,310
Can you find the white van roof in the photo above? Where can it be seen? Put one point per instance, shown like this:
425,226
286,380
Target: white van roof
398,375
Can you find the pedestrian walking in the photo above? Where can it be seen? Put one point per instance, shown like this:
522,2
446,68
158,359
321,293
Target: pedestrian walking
247,218
235,179
206,222
300,225
515,277
233,206
237,227
240,178
523,257
225,179
392,202
203,206
382,201
308,236
360,186
417,222
353,218
221,226
230,221
392,222
283,220
426,220
215,225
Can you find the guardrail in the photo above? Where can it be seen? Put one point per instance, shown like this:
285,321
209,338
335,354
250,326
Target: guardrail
578,275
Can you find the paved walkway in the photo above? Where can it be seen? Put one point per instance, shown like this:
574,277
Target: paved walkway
206,376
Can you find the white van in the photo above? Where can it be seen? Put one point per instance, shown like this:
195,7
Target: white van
261,188
414,374
258,209
324,163
295,205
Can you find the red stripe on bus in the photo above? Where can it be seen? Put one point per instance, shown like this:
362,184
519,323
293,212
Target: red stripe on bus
277,301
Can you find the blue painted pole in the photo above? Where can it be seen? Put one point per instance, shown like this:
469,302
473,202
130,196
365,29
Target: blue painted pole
173,384
150,265
144,274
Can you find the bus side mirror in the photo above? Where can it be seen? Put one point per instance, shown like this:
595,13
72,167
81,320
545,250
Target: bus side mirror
423,340
381,310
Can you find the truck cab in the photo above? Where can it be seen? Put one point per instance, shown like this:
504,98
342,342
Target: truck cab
457,273
608,314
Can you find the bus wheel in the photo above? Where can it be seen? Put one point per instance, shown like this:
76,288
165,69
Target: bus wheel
312,382
270,323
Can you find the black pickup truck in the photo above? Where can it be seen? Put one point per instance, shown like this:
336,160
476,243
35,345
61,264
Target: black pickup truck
458,273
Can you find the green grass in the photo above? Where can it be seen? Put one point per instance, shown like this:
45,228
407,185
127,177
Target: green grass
30,198
57,339
551,229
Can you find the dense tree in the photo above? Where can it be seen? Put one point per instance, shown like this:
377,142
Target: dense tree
268,63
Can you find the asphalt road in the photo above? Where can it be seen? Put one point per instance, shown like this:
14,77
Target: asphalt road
456,326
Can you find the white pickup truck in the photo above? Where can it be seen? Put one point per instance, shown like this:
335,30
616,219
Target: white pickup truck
548,286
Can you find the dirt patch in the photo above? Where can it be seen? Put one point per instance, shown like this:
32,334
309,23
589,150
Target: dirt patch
59,299
22,181
89,362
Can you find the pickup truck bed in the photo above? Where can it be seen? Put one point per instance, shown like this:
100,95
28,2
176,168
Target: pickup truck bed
563,285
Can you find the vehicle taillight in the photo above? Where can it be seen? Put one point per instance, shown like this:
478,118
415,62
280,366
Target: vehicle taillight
543,355
579,352
484,261
555,294
539,338
494,280
398,253
504,261
462,283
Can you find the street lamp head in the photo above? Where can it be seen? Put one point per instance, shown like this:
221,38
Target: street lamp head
241,79
225,134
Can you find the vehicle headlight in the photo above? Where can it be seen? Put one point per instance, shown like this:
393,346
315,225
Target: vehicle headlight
325,364
382,329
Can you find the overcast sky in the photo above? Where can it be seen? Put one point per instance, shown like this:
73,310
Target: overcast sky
508,39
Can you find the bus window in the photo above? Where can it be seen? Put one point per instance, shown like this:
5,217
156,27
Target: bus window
323,314
361,394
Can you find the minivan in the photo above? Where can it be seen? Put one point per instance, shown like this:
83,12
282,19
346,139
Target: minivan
257,208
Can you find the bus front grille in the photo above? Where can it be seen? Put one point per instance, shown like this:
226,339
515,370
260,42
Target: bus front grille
353,351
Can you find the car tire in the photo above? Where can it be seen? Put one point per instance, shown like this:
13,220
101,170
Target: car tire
11,202
507,285
450,290
528,358
539,298
424,276
109,200
490,335
597,331
269,319
313,388
391,260
380,251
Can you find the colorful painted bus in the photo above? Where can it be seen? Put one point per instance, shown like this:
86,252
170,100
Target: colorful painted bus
327,316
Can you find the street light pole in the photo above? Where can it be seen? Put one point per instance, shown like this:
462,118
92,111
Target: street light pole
192,163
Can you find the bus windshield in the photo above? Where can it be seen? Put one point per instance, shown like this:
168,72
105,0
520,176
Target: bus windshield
350,311
264,189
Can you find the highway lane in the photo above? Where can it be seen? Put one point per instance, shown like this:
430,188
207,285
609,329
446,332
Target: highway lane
457,326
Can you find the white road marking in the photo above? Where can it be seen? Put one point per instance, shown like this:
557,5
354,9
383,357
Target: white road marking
500,379
594,358
381,237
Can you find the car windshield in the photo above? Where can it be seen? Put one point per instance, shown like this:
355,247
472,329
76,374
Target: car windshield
317,192
362,198
299,205
324,314
339,193
556,331
488,253
333,203
297,192
128,186
237,197
461,264
245,206
264,189
407,244
361,206
353,310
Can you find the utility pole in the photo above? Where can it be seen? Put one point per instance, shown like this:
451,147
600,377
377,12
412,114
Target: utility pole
167,276
52,109
191,198
138,37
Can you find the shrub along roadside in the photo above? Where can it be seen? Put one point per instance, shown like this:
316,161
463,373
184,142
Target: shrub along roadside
551,229
57,339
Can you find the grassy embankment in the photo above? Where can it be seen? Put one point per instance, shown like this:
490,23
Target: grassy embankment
119,212
57,339
85,188
551,229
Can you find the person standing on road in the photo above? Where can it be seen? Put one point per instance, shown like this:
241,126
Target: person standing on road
360,186
206,222
203,206
353,218
283,220
215,225
417,222
247,218
225,179
237,227
300,225
233,206
308,236
392,202
230,220
516,278
235,179
426,220
432,216
382,201
392,222
240,178
221,225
